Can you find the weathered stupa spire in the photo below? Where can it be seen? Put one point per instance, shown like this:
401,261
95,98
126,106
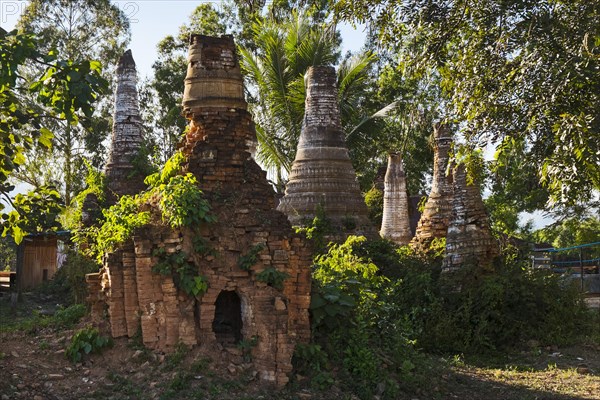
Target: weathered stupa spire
126,140
395,224
221,133
438,208
469,239
322,175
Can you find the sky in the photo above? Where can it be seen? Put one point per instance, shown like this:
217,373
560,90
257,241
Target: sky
152,20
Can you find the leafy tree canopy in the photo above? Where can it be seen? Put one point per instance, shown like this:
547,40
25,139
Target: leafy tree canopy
65,90
79,30
514,71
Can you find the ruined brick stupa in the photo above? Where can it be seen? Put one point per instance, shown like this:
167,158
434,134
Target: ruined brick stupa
322,175
395,223
469,239
249,237
127,133
438,208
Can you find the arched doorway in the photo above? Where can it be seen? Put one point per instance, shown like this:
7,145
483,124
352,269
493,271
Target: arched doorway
227,324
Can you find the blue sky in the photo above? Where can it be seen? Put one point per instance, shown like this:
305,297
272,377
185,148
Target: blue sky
152,20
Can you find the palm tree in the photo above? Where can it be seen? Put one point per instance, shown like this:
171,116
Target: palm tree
275,71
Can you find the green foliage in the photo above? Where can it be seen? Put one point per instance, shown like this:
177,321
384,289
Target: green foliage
184,273
85,341
572,232
95,184
202,246
8,254
246,345
179,199
354,321
472,160
34,212
364,320
64,318
67,317
171,169
66,91
174,360
272,277
310,359
374,201
69,280
182,202
120,221
498,61
95,30
317,230
246,262
142,166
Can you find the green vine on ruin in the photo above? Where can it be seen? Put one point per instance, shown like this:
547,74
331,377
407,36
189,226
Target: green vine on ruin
246,262
184,273
177,196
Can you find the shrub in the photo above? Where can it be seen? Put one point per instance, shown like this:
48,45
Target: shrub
364,320
85,341
69,280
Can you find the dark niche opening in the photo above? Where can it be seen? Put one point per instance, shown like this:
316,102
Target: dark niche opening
227,324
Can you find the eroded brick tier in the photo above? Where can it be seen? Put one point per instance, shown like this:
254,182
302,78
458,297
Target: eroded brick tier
395,224
438,208
237,306
322,174
127,131
469,239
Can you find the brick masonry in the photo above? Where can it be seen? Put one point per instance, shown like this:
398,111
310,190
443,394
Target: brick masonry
217,151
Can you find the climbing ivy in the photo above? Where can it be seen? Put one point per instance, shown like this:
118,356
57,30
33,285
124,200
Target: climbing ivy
184,273
179,199
182,202
272,277
247,261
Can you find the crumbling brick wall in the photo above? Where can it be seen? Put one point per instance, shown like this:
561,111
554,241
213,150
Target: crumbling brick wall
216,149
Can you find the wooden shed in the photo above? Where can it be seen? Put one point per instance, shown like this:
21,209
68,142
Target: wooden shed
37,259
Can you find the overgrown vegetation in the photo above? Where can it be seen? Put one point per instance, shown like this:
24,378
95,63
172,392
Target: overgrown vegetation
69,281
185,274
376,306
177,197
63,318
85,341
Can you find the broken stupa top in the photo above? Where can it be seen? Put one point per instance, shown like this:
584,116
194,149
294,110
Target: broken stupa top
126,140
213,77
322,175
470,239
438,208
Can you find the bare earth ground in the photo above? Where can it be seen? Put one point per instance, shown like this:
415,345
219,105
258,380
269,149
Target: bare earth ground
34,366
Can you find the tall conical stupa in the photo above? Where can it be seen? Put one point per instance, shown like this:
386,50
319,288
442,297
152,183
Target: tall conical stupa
395,224
469,238
438,208
322,176
127,133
